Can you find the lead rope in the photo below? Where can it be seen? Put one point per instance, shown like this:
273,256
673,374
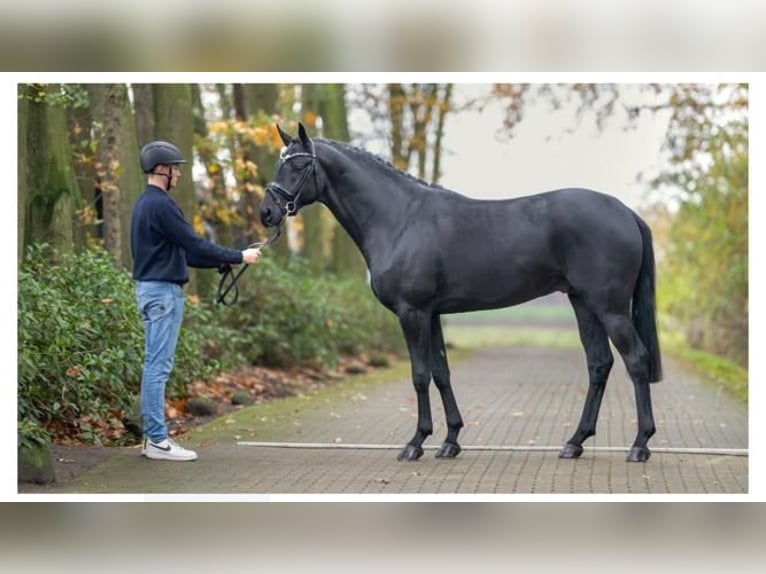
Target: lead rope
228,273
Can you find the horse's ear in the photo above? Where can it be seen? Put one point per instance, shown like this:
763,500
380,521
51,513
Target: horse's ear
304,137
286,138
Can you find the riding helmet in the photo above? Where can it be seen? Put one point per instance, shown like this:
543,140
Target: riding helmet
159,153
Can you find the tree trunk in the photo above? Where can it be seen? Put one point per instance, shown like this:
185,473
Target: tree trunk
224,234
106,103
346,259
131,179
21,170
52,191
111,183
313,222
396,101
421,105
143,105
261,101
216,190
443,106
80,127
174,122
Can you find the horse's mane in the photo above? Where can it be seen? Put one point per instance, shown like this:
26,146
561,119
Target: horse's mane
365,155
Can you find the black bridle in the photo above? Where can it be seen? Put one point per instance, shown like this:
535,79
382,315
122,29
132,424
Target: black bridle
289,208
290,198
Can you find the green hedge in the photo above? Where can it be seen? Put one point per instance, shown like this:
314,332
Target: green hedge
80,339
285,315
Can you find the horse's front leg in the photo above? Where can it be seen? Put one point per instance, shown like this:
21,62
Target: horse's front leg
416,326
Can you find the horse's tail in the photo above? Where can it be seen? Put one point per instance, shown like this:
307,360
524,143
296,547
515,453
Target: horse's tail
644,304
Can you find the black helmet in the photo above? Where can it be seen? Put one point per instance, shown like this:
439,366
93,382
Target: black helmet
159,153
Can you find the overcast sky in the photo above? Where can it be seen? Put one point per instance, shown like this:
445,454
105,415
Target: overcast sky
541,156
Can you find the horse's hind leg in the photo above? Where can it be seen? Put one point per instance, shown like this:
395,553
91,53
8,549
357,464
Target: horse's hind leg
624,336
600,360
440,371
416,326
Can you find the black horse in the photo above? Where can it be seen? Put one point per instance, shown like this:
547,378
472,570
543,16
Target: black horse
432,251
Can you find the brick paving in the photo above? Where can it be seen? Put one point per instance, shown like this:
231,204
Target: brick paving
515,398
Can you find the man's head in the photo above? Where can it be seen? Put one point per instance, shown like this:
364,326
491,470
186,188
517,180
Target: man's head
160,160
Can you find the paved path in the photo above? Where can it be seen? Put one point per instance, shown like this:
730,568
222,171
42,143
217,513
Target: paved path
516,398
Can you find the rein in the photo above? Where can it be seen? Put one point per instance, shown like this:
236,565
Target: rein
228,273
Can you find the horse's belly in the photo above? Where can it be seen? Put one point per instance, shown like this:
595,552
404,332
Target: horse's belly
498,292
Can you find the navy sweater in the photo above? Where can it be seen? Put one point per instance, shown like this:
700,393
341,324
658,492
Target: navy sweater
163,243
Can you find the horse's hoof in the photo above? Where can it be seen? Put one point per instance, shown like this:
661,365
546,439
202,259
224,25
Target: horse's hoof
448,450
639,454
571,451
410,453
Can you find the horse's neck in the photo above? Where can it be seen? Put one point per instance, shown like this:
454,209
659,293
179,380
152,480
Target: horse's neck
371,212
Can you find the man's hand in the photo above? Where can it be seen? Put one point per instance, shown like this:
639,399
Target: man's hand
250,255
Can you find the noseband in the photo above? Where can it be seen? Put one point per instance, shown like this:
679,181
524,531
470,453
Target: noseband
286,200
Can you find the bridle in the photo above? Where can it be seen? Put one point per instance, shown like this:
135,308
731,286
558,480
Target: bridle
286,200
290,207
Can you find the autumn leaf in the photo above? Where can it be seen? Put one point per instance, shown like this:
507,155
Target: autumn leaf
217,127
260,135
276,139
197,224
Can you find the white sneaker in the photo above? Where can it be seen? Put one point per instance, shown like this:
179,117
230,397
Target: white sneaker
167,449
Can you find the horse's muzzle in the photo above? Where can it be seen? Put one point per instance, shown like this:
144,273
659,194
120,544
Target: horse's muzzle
271,215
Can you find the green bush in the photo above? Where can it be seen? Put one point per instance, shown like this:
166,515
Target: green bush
286,316
80,338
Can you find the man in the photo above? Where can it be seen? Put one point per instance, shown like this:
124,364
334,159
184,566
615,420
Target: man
163,243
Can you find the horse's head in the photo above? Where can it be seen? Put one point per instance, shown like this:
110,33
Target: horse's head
295,179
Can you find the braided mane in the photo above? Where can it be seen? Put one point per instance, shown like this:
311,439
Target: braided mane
367,156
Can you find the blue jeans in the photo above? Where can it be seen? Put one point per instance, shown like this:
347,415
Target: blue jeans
161,305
